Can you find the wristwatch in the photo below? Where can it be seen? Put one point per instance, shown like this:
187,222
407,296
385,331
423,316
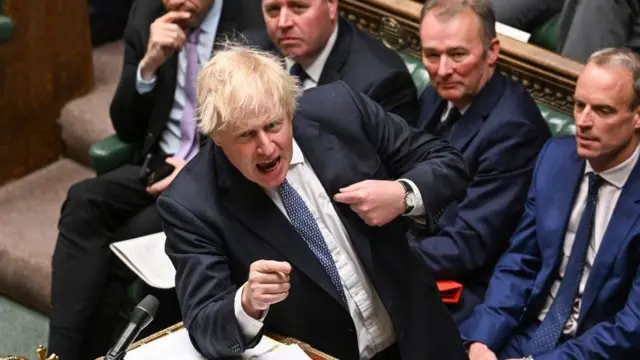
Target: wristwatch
409,197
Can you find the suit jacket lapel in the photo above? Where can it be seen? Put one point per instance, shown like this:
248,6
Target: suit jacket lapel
338,55
481,107
229,18
552,240
624,216
432,106
251,205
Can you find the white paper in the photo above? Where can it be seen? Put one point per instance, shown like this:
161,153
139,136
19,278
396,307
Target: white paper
177,345
512,32
174,346
145,256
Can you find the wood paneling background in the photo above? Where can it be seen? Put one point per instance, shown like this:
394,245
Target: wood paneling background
46,63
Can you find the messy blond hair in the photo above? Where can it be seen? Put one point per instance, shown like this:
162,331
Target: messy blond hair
241,83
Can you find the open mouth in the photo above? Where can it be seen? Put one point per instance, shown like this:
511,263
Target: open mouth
269,166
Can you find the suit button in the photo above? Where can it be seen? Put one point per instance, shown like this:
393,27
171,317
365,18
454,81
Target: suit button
351,330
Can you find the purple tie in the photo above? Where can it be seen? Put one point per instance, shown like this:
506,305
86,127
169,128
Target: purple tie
189,139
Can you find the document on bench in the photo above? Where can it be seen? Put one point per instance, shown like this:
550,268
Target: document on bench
177,345
512,32
145,256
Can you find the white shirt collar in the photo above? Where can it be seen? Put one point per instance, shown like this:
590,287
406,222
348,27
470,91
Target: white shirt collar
210,22
314,70
617,175
297,157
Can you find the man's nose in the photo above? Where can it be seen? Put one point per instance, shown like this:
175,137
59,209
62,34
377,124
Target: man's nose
285,18
265,145
444,67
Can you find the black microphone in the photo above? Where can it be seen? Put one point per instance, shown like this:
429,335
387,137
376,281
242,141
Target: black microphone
141,316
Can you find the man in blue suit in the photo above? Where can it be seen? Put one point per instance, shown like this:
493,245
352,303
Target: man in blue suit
568,287
297,227
494,122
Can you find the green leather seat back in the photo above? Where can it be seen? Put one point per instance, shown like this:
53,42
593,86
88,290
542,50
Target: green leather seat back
559,123
546,35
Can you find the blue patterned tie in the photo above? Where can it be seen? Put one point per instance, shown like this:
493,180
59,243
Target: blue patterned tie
548,333
303,221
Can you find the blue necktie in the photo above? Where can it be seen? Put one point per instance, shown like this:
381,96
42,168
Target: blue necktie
305,224
548,333
297,71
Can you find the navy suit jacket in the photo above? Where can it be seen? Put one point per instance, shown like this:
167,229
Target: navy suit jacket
366,65
500,135
609,319
217,223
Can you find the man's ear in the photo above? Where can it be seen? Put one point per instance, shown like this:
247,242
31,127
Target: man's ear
493,51
333,9
636,118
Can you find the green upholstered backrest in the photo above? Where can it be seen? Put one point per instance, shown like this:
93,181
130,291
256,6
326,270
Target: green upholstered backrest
546,35
559,123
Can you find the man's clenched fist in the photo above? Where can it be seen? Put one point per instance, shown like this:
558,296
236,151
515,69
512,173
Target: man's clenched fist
268,284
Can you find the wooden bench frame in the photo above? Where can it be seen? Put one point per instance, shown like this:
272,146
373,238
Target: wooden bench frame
549,77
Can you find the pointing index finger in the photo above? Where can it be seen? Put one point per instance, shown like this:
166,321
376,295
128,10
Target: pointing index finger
173,16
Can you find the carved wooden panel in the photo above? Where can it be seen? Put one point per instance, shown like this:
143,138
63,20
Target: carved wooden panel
549,77
45,63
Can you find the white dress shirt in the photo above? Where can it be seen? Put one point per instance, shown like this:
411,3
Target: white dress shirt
373,325
608,194
170,137
314,70
450,106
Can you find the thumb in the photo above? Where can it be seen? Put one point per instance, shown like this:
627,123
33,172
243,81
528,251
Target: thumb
353,187
275,266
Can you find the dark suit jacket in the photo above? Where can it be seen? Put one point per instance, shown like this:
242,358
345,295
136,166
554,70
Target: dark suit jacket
217,223
609,319
500,136
366,65
140,119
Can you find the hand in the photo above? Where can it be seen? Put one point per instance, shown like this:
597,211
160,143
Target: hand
377,202
268,284
165,37
480,351
158,187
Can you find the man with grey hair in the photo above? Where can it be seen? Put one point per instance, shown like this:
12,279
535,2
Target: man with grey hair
568,287
494,122
291,222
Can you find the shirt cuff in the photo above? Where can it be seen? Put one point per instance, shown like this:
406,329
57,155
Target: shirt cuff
418,210
144,86
249,326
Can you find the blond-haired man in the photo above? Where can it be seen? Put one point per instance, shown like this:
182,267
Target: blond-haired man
290,222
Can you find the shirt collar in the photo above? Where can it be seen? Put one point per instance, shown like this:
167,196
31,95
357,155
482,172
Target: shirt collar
450,106
297,157
210,22
618,175
314,70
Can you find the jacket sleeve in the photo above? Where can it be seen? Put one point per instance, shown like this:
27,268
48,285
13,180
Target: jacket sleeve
203,283
494,321
476,231
130,111
436,167
397,94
